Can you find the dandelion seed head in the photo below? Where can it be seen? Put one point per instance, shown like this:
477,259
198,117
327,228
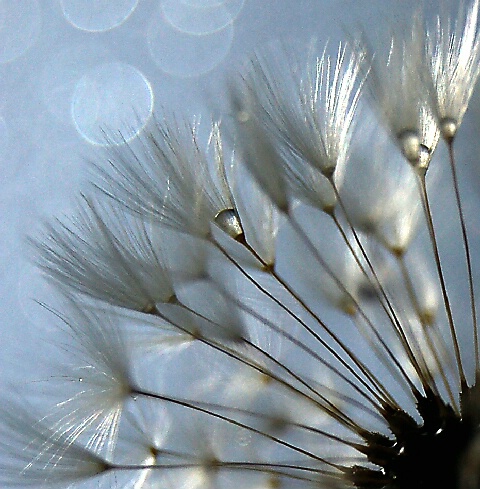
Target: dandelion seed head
399,90
309,134
275,304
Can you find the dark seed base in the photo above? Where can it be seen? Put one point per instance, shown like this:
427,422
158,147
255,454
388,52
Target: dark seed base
430,455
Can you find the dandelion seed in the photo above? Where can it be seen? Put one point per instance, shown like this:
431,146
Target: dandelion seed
43,457
399,89
102,381
104,257
307,121
454,54
172,179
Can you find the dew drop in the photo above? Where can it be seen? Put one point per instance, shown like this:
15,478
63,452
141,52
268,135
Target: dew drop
243,116
227,220
448,128
424,157
410,146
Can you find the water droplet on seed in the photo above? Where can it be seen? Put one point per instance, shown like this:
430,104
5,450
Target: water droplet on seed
227,220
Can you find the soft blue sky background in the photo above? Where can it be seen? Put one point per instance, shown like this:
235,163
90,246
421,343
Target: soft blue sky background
71,67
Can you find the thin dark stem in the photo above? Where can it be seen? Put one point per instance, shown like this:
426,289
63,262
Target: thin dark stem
400,373
329,408
289,471
413,299
466,247
326,363
380,292
448,308
207,409
360,365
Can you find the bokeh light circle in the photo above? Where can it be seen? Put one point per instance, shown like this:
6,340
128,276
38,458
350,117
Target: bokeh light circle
61,74
111,104
184,55
200,17
233,6
204,3
97,15
4,139
20,26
